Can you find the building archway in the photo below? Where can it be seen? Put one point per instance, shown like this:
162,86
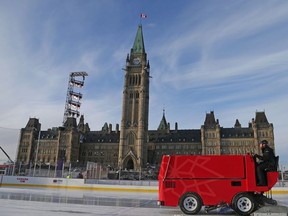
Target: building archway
130,161
130,164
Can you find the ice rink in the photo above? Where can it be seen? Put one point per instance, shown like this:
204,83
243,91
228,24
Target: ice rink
52,202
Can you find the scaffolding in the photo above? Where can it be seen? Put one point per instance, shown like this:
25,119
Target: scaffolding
10,160
73,98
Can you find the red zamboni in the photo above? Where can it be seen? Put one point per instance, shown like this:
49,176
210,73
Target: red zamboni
212,181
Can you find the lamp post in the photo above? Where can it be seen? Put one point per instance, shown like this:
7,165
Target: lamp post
282,175
56,164
63,166
40,167
20,164
63,160
30,167
119,174
49,164
70,169
37,148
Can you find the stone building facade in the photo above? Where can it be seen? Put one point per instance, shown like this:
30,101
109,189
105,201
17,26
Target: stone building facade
133,145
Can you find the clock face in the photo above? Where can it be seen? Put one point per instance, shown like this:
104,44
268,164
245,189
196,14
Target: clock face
136,61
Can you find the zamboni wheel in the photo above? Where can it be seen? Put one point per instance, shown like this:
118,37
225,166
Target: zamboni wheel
243,204
190,203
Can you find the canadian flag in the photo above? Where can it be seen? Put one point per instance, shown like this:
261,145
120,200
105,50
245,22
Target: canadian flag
142,15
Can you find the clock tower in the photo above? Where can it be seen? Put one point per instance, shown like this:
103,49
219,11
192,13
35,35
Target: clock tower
135,108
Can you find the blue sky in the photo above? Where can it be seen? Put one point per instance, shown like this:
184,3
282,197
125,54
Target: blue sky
225,56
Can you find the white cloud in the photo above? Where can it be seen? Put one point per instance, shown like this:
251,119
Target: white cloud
211,72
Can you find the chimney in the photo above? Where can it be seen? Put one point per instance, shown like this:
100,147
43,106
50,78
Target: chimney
110,128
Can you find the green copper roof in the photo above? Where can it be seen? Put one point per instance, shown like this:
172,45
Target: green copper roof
163,124
138,46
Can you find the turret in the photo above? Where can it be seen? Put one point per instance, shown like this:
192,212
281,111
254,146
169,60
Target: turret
237,124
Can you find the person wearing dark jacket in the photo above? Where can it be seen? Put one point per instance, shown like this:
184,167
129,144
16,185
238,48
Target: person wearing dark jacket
267,161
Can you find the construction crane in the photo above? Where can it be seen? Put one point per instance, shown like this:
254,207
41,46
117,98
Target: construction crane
73,98
10,160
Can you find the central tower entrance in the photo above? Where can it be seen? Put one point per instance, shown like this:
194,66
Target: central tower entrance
130,164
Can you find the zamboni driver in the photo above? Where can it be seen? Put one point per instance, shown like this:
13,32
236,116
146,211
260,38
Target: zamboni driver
267,161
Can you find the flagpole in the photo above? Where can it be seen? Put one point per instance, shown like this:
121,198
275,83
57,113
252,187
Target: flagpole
140,19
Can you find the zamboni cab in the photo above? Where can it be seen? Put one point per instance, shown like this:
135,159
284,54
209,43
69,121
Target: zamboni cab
212,181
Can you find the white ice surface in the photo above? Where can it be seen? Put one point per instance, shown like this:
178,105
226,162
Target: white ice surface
10,207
